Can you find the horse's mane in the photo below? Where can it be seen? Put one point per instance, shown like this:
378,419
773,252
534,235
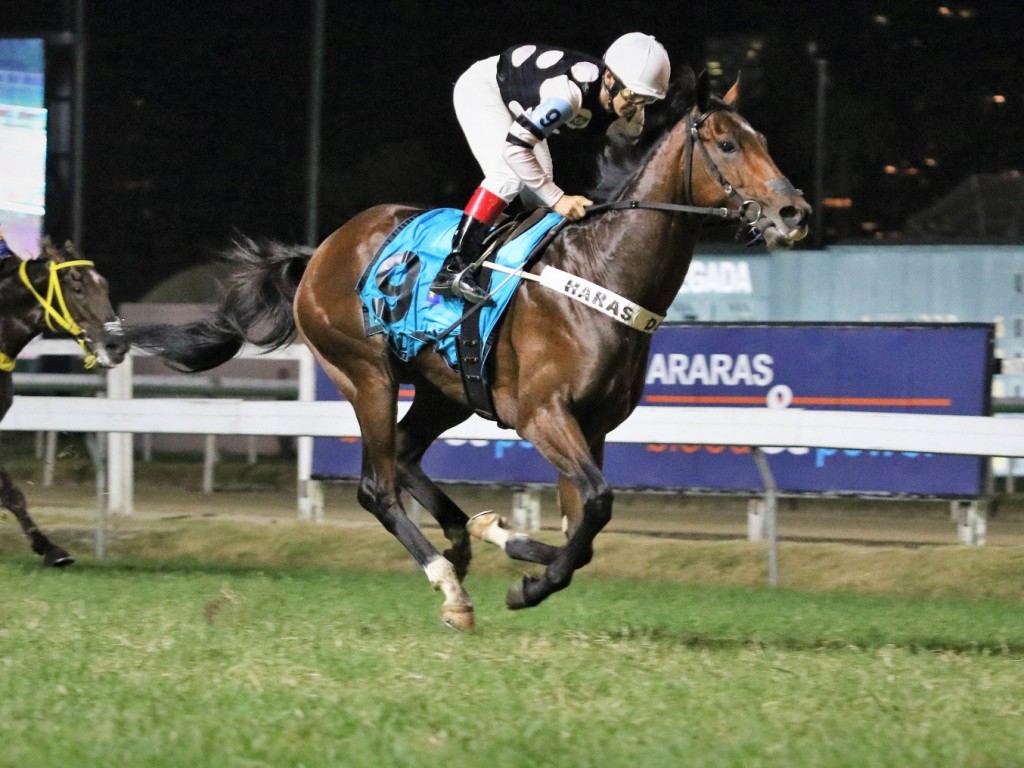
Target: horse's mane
47,252
620,162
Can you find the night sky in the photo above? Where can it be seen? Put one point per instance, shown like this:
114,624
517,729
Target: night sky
196,112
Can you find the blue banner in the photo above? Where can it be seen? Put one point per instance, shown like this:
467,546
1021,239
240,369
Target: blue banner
942,369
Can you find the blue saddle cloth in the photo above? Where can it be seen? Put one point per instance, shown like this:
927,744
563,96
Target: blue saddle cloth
395,287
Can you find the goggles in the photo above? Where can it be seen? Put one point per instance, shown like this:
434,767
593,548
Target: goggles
628,94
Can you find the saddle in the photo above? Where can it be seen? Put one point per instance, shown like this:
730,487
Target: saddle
508,228
397,301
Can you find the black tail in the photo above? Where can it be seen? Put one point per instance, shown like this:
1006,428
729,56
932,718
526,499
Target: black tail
256,308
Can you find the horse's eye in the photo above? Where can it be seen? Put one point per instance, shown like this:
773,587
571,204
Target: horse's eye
728,146
75,285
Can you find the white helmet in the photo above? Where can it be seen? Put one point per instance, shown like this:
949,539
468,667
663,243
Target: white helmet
641,63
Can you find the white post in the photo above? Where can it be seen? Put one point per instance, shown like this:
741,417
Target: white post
526,509
971,523
120,452
49,458
755,520
95,446
310,495
209,460
770,509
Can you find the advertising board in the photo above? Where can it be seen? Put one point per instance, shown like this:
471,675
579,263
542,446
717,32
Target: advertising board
918,368
22,144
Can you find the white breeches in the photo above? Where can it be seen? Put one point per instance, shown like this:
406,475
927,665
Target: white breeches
485,120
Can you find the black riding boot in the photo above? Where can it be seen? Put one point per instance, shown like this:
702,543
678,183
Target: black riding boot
455,279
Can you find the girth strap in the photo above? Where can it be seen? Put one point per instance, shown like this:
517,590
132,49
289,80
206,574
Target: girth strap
470,350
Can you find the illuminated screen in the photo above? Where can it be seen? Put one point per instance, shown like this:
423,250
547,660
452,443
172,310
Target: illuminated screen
22,144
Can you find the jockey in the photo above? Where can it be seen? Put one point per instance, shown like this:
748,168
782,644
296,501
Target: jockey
508,105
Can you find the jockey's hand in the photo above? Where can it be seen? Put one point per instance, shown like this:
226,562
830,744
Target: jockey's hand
572,207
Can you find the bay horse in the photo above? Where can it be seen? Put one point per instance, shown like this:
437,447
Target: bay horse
562,375
58,290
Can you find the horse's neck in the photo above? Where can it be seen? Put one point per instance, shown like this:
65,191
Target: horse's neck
15,335
21,319
663,177
644,254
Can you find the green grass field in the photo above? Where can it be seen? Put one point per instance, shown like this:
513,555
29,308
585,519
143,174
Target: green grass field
230,644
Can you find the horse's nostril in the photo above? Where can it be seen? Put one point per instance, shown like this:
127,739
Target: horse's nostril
794,215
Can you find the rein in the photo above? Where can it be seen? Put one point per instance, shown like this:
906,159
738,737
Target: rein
62,318
748,212
700,210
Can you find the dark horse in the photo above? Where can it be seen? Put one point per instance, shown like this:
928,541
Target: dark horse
58,291
562,374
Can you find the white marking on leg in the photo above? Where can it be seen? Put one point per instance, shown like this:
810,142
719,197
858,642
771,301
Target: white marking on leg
441,575
490,527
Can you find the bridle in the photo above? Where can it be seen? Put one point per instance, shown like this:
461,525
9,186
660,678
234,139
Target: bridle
745,206
748,212
59,315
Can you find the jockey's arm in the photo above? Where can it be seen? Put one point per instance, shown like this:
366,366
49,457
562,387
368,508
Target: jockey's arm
560,102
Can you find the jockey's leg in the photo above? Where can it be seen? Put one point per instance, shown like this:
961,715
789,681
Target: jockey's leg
479,215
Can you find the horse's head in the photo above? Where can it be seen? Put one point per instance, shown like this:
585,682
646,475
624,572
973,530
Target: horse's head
74,298
731,167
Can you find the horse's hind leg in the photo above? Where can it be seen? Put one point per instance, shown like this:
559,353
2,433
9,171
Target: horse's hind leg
13,499
429,416
492,528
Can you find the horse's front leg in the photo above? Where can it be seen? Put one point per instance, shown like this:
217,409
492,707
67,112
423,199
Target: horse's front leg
559,439
14,500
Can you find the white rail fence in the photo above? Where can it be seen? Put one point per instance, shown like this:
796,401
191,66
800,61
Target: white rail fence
120,416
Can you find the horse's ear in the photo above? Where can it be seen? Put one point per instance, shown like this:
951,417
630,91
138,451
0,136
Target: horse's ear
732,97
703,91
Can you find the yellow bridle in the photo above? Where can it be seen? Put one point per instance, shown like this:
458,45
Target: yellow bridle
62,318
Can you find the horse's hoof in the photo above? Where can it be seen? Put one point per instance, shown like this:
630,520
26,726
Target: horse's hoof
516,597
480,523
458,617
58,558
